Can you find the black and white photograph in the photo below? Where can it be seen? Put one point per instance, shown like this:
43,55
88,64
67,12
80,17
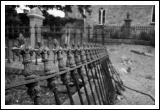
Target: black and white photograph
65,53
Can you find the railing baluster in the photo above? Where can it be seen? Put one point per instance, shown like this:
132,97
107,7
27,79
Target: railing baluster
93,95
53,87
83,60
34,89
99,73
105,82
44,53
102,84
94,66
98,76
101,77
93,74
111,88
74,74
13,52
64,77
88,58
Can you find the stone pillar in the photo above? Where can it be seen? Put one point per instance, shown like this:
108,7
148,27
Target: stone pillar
127,26
36,19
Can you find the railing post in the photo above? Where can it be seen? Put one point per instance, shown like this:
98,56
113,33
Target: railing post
82,70
44,53
64,77
95,64
34,89
53,87
93,73
87,72
74,73
103,81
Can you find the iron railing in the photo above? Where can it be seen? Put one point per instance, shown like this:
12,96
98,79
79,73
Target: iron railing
70,35
85,68
102,33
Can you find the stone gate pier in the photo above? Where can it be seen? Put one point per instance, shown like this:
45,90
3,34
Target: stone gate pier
36,21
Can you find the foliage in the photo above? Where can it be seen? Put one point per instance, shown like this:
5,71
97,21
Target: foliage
11,15
57,21
86,7
66,8
24,20
14,19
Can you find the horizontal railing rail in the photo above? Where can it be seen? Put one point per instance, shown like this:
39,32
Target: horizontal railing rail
20,83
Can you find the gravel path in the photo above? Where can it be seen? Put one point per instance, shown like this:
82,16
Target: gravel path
140,74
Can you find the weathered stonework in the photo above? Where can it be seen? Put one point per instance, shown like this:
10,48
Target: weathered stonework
36,19
115,14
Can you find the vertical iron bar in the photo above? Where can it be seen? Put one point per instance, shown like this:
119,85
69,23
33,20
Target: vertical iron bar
75,36
88,33
71,63
95,85
48,41
36,63
99,84
53,88
64,77
110,85
79,71
81,37
105,82
90,84
77,86
13,52
8,49
68,88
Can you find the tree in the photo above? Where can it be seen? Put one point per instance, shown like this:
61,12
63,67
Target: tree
14,18
65,9
11,16
81,9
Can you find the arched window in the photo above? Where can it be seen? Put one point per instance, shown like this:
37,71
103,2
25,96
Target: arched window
101,16
153,14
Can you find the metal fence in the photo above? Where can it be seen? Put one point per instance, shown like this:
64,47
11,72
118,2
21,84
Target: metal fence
45,34
102,33
86,68
76,35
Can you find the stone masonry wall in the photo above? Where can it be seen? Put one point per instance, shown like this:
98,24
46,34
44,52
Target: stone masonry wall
115,14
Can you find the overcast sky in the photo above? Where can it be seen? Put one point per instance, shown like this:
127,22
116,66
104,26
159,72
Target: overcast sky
53,12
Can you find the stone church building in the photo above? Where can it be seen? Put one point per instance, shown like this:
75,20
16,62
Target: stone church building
121,16
115,14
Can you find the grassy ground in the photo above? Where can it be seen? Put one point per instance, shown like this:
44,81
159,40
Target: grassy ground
141,75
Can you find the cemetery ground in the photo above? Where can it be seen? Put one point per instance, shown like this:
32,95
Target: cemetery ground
136,70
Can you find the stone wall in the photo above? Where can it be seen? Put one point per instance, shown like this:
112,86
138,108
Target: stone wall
115,14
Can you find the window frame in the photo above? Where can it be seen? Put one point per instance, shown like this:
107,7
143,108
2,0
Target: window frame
153,15
100,16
